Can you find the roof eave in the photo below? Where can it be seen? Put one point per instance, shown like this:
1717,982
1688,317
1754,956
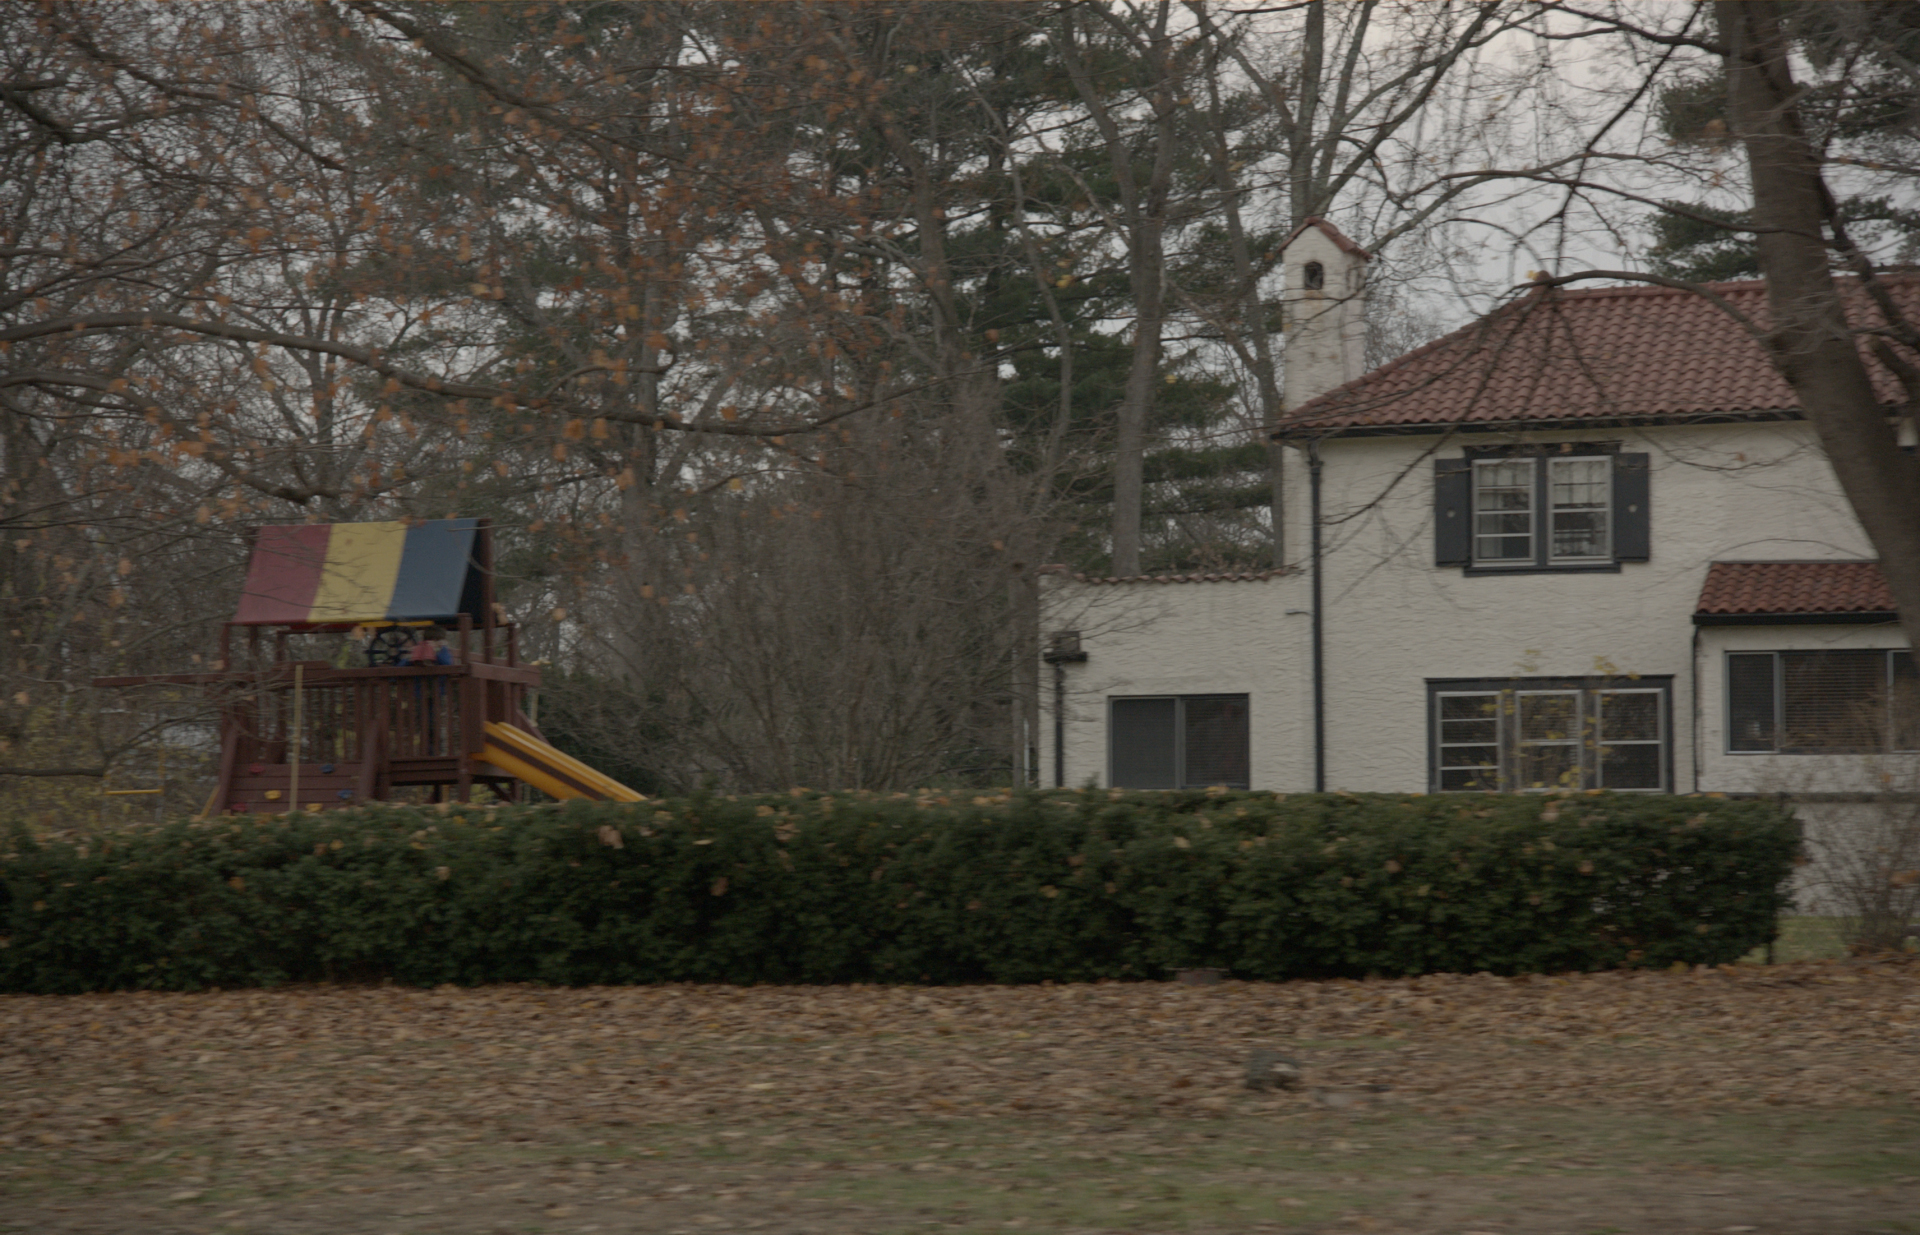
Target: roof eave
1438,428
1876,617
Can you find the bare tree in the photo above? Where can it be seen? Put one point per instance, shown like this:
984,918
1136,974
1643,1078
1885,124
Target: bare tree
1801,239
1800,229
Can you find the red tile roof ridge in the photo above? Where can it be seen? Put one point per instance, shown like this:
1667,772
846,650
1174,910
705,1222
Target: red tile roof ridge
1557,356
1830,585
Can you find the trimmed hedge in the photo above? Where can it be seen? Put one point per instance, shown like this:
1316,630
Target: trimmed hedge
1067,886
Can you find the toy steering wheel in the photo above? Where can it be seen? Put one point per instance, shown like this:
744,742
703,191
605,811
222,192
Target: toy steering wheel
389,646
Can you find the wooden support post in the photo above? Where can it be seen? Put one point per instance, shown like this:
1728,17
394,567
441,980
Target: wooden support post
229,757
293,739
483,562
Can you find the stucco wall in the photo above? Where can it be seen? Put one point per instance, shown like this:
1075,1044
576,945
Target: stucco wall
1181,639
1757,492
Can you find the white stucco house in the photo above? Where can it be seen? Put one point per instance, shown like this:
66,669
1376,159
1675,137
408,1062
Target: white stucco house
1585,542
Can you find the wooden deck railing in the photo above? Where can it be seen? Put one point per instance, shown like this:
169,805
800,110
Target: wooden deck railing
355,733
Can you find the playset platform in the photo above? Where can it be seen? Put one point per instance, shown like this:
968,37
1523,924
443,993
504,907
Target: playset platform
319,734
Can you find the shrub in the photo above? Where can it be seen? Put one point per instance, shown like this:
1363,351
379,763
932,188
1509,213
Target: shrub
804,888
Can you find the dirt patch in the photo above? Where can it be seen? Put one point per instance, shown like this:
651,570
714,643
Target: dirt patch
1779,1098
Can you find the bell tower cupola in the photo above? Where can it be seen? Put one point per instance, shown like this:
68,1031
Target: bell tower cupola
1326,310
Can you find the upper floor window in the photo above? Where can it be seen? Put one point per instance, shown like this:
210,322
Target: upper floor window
1541,508
1830,702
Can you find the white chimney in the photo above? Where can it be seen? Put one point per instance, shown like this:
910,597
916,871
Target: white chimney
1325,312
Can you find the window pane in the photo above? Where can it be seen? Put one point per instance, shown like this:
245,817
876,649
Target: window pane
1499,523
1549,739
1578,491
1217,741
1470,718
1480,774
1143,738
1750,701
1503,510
1630,767
1629,734
1549,717
1833,701
1580,483
1506,474
1503,548
1579,533
1549,766
1629,715
1469,732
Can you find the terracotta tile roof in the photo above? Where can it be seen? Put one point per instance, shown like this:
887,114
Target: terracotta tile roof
1741,588
1245,576
1637,353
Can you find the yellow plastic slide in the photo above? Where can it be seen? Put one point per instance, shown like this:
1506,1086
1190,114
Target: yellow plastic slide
550,771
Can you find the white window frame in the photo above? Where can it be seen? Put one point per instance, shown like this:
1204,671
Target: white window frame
1601,742
1572,741
1589,738
1442,745
1541,512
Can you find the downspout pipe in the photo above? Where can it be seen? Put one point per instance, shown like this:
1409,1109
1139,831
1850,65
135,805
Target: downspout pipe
1063,649
1319,623
1059,724
1693,690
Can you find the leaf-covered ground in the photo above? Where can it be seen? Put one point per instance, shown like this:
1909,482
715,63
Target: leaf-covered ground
1776,1099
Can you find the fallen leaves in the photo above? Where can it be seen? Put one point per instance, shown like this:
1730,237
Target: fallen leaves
411,1067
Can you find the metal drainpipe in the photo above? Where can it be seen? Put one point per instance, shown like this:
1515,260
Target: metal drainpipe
1059,724
1693,689
1319,662
1062,650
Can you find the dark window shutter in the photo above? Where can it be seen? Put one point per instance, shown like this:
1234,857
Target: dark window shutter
1142,737
1632,531
1452,512
1216,741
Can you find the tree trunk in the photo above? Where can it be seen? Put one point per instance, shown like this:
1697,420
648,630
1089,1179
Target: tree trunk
1812,344
1143,215
1130,434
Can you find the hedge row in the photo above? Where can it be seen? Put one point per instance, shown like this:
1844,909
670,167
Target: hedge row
1068,886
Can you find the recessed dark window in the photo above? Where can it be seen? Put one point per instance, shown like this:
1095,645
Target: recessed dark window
1316,276
1178,742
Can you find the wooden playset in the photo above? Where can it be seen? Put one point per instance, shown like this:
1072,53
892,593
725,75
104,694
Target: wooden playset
391,709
